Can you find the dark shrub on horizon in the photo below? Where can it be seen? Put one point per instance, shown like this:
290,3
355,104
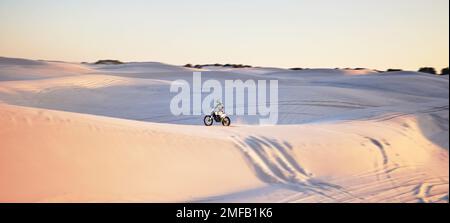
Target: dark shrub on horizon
113,62
428,70
393,70
188,65
444,71
296,68
237,66
200,66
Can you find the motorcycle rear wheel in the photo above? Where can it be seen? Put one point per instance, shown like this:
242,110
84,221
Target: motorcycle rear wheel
208,120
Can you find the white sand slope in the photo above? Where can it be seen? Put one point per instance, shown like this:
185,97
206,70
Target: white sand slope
22,69
343,137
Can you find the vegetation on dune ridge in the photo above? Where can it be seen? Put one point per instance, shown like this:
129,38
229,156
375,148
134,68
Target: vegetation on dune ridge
444,71
432,70
427,70
393,70
200,66
109,62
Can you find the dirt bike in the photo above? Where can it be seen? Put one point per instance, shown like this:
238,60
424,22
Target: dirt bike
223,118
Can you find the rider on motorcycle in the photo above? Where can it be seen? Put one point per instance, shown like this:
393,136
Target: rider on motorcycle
219,109
218,115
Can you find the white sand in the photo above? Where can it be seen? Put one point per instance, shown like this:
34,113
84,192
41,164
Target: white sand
344,136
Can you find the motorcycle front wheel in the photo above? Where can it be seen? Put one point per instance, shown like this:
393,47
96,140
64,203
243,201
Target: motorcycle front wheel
226,121
208,120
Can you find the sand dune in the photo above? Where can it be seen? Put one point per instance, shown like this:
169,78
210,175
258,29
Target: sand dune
23,69
50,156
77,133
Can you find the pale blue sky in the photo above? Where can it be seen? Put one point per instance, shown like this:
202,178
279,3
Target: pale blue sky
286,33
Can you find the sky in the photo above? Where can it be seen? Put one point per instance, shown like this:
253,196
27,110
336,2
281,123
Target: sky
378,34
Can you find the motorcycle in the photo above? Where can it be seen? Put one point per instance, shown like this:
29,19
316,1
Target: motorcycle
223,118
